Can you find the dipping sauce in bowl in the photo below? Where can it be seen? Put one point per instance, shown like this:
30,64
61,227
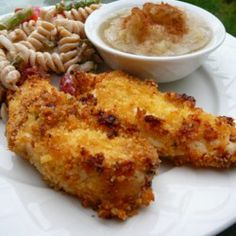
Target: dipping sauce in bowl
156,30
165,42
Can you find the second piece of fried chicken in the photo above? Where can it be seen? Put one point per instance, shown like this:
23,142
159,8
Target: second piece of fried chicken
180,131
84,152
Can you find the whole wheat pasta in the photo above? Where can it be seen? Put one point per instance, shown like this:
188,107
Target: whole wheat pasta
80,14
47,15
14,53
46,61
6,43
44,33
17,35
74,57
70,58
63,32
24,30
69,43
54,43
27,44
72,49
9,76
4,32
28,27
69,47
72,26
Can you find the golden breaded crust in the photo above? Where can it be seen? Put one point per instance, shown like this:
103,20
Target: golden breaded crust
179,130
85,152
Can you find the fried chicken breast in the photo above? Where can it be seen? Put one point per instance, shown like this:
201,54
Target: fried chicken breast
85,152
178,129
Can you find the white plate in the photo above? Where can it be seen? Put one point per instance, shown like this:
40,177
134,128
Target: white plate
188,201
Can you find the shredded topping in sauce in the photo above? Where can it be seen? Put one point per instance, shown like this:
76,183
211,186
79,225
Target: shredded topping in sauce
141,20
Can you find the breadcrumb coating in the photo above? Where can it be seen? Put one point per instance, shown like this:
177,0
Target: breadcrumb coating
81,150
178,129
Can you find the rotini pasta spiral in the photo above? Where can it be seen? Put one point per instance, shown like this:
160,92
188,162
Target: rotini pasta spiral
72,26
6,43
69,47
4,32
44,33
27,44
70,58
80,14
69,43
17,35
47,15
24,30
63,32
9,76
28,27
72,48
46,61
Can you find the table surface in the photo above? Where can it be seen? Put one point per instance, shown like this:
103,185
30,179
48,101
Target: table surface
10,5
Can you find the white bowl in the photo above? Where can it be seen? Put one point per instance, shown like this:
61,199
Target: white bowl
160,68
